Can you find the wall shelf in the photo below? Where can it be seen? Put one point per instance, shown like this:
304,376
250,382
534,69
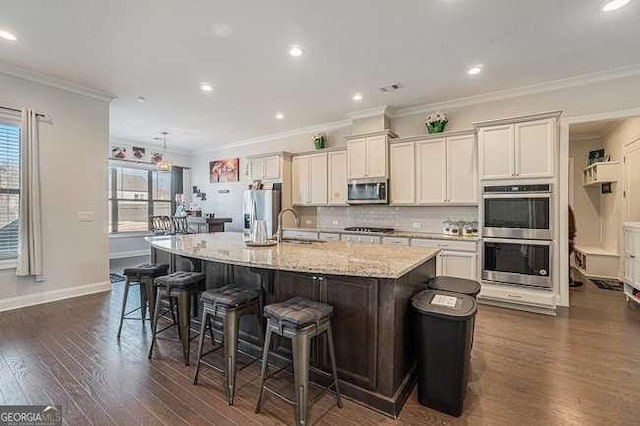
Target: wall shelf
599,173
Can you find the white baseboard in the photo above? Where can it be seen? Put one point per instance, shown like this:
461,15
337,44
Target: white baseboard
53,295
126,254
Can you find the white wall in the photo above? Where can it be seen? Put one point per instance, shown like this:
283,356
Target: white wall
73,179
586,206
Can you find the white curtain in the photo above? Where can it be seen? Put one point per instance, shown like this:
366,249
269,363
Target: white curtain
30,241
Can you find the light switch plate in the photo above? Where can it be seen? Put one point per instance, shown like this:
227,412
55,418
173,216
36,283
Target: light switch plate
417,225
86,216
308,222
335,222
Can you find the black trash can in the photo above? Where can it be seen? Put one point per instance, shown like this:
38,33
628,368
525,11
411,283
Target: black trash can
443,334
455,285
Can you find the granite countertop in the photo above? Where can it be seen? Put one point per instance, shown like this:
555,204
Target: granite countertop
330,258
405,234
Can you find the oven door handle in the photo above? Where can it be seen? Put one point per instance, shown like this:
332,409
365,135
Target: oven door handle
490,195
514,241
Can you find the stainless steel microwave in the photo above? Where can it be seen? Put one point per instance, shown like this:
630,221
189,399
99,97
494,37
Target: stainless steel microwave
367,191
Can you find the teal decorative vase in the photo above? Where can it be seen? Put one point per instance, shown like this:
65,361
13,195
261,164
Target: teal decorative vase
319,142
437,126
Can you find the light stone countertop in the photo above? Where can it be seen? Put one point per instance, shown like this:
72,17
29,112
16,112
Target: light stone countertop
328,258
405,234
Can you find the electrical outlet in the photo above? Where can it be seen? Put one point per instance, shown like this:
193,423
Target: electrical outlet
308,222
86,216
417,225
335,222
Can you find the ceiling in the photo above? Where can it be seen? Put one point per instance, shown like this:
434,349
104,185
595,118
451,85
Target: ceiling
163,49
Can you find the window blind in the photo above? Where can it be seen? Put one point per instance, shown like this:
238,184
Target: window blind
9,190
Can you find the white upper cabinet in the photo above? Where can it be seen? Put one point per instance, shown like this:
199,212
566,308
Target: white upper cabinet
495,145
534,148
265,168
337,177
431,171
435,171
318,179
300,181
402,183
462,170
309,179
357,154
521,150
367,157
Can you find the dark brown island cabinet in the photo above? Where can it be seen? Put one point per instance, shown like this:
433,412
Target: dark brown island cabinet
369,287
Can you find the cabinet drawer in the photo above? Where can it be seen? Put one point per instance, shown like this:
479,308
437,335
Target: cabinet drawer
516,295
361,239
303,235
327,236
396,241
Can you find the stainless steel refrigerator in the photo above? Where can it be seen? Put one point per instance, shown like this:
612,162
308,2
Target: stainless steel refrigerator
265,204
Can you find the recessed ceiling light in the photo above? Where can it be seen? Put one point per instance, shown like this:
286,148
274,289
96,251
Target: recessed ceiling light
357,97
279,116
223,30
8,36
206,87
141,99
474,70
612,5
296,51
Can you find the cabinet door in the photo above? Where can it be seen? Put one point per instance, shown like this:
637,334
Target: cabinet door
459,264
337,178
403,173
462,170
376,156
271,167
431,171
354,325
534,148
256,171
356,156
300,180
318,179
495,146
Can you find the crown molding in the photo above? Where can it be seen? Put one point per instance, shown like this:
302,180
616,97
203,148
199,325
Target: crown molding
332,125
369,112
37,77
549,86
519,119
585,137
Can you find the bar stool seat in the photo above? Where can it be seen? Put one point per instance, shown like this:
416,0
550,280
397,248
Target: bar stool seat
227,303
141,275
230,295
300,320
298,312
180,286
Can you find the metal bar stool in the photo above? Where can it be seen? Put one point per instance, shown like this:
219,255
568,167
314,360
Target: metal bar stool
142,276
300,320
179,286
227,303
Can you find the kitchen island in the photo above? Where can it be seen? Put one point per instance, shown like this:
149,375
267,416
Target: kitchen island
369,287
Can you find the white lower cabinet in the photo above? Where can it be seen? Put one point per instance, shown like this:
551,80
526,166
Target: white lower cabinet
300,235
457,259
328,236
395,241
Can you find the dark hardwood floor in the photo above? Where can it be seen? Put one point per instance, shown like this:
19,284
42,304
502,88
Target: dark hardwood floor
582,367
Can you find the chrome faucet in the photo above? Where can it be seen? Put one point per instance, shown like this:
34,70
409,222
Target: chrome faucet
295,220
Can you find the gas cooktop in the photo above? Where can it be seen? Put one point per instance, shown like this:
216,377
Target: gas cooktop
368,229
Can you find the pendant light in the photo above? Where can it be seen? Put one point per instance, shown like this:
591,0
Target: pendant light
164,165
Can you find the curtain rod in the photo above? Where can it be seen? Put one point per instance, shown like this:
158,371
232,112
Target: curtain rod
39,114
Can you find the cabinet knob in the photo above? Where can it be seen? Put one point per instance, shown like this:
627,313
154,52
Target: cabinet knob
321,278
314,277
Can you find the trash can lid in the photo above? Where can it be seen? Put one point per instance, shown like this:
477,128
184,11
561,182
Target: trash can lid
456,285
445,304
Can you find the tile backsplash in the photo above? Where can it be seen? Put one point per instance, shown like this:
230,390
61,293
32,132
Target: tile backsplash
420,219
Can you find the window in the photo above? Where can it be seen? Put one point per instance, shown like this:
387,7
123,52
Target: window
9,190
134,195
